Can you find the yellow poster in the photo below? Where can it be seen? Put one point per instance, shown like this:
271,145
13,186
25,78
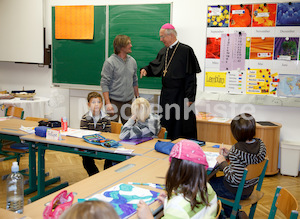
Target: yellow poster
258,81
74,22
215,79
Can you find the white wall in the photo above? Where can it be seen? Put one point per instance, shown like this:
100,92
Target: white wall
189,18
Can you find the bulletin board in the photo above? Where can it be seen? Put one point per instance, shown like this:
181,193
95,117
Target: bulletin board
253,49
80,61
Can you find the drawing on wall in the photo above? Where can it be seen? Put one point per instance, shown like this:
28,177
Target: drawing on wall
271,48
262,48
286,48
240,15
289,85
288,14
218,16
213,47
264,15
125,197
215,79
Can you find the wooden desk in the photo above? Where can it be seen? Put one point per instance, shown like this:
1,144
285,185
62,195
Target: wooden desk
220,132
10,215
75,146
10,130
143,170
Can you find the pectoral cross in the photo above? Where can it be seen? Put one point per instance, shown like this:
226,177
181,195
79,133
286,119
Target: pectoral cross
165,72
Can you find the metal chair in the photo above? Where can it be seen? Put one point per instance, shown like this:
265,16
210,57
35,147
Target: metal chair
285,202
252,171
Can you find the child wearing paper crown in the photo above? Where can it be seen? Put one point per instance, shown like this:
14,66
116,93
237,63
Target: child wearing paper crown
188,195
90,210
142,123
247,150
95,119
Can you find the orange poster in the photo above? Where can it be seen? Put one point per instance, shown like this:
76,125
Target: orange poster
74,22
262,48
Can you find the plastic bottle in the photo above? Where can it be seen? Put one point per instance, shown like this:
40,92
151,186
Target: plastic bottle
15,190
64,124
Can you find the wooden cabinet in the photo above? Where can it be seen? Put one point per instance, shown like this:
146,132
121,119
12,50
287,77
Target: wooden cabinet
220,132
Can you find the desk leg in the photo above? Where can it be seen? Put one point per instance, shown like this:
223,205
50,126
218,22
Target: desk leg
32,169
41,187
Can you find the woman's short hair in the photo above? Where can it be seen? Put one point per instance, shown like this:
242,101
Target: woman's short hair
141,108
243,127
120,41
90,210
94,95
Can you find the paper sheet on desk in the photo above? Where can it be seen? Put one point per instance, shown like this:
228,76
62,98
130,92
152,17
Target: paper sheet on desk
29,130
78,133
211,158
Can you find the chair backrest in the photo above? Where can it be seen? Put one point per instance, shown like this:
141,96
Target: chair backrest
162,133
219,209
285,202
116,127
36,119
14,111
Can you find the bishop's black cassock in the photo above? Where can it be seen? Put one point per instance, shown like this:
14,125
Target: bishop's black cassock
178,83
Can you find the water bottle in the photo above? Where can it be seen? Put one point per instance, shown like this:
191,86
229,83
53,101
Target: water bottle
15,190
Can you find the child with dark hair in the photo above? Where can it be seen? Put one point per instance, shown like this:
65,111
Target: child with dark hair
247,150
95,119
188,195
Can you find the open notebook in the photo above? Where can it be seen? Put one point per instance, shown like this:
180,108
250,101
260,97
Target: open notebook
135,141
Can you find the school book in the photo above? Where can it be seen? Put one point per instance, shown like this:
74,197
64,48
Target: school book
124,198
135,141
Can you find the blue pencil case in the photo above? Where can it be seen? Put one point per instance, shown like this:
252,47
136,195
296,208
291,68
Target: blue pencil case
164,147
41,131
100,140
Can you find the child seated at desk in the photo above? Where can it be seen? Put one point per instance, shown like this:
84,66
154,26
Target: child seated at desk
188,195
142,123
90,210
95,119
247,150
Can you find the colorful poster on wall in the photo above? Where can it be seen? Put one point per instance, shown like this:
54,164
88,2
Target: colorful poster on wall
286,48
258,81
248,43
289,85
213,48
218,16
235,82
262,48
288,14
215,79
264,15
240,15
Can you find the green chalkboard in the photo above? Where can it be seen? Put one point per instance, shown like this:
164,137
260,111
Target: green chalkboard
80,61
141,23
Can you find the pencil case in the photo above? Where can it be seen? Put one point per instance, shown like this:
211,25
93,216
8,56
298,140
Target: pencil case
164,147
41,131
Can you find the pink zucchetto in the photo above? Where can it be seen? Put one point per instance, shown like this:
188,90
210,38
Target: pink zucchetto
167,26
189,150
